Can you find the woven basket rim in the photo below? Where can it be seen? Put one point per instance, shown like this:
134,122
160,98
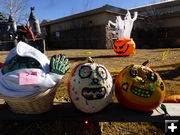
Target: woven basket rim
31,97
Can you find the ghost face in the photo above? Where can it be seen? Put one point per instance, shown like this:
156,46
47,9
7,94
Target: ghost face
90,87
18,62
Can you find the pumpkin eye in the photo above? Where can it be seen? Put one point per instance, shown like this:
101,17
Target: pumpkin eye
85,71
102,72
125,86
162,86
133,72
152,76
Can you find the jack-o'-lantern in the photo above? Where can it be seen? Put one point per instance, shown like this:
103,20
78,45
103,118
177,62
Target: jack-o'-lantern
139,87
90,87
124,47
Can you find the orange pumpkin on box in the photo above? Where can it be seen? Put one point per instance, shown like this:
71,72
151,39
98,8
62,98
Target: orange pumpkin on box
124,47
139,87
172,99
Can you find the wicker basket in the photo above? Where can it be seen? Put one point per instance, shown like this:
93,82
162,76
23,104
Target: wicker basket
33,104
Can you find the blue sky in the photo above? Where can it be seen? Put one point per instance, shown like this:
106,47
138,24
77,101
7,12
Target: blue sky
54,9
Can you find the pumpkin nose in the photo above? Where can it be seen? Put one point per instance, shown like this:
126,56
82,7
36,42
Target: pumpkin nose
140,80
143,76
95,80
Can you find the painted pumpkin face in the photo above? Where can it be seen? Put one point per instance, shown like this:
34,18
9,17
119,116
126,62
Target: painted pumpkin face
124,47
90,87
139,87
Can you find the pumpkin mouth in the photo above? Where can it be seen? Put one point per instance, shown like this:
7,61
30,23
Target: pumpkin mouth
121,52
94,93
141,92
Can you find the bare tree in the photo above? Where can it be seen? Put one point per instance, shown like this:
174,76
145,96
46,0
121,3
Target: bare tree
16,8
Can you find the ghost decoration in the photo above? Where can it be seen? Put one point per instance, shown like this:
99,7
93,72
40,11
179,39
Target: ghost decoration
26,71
139,87
90,87
124,45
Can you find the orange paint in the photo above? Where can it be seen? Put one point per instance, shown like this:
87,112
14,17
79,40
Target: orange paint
124,47
172,99
140,88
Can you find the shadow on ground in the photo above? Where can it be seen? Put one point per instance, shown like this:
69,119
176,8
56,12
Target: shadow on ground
94,57
48,127
170,74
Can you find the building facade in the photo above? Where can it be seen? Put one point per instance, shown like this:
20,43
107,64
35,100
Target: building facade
160,27
157,26
85,30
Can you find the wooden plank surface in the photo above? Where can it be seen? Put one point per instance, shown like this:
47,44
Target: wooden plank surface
113,113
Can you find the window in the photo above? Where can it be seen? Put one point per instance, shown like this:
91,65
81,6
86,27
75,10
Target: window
57,34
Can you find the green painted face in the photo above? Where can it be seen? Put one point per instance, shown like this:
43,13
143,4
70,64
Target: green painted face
18,62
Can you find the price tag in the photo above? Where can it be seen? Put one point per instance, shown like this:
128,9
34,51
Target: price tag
28,78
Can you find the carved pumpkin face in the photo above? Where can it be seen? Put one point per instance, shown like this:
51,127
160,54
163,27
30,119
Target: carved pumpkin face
124,47
90,87
139,87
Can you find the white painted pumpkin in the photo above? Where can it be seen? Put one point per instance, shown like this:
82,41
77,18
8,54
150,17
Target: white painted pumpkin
90,87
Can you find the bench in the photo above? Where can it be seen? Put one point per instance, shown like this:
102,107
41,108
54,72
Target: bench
112,113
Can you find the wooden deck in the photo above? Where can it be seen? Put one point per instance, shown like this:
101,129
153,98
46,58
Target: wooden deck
113,113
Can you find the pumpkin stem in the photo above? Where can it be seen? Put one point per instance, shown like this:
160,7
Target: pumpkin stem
90,60
145,63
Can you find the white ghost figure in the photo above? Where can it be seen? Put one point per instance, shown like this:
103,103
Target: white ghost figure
9,82
123,28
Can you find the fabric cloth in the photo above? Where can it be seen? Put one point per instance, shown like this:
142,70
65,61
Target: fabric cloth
25,50
9,82
124,27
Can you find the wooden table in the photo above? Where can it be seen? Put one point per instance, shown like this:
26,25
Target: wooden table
112,113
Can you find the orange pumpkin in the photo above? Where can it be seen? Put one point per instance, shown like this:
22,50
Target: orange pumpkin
172,99
124,47
139,87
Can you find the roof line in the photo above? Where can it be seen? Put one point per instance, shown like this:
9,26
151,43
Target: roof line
105,8
152,4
